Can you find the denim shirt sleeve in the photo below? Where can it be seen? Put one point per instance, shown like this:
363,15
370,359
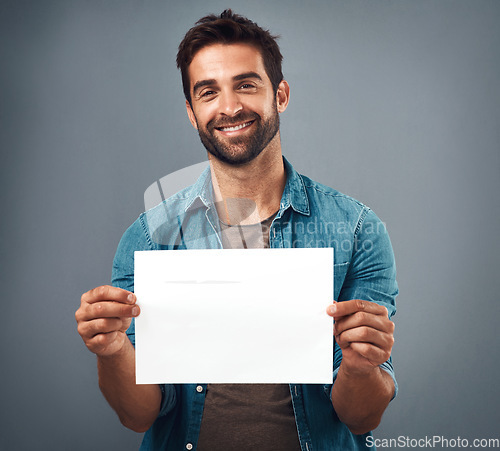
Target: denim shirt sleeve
136,238
372,274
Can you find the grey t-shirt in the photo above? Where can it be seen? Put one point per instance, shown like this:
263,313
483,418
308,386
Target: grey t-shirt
248,416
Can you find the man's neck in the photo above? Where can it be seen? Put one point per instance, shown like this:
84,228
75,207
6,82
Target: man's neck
249,193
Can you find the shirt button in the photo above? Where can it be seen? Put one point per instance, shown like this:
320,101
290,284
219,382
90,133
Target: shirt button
189,446
199,388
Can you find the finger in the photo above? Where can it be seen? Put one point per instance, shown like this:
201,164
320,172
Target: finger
90,329
108,293
105,343
108,310
378,322
339,309
374,354
367,335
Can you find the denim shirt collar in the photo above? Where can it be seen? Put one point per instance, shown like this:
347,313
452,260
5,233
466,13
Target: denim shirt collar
201,190
294,194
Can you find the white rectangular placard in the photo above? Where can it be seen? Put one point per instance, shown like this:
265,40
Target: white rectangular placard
234,316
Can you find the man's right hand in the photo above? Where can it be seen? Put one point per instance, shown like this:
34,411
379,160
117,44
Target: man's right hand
104,316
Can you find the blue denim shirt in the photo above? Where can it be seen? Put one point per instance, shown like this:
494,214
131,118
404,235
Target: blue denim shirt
310,215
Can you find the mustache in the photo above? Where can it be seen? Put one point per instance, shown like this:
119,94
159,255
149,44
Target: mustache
235,120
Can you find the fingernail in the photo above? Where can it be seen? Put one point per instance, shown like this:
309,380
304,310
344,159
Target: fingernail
332,309
131,297
135,311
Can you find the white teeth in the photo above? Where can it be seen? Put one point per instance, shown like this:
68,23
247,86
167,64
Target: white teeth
237,127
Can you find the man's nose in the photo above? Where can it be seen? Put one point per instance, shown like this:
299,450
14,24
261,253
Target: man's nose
230,104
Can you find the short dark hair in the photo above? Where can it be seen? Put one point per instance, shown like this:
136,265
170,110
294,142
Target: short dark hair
229,28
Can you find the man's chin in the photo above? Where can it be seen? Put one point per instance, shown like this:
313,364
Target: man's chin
236,155
236,151
234,159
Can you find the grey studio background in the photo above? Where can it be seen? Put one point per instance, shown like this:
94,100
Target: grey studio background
396,103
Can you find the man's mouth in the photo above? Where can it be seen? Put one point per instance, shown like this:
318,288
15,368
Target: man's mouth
234,128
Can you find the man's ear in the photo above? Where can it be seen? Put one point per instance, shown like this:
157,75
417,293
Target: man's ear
282,96
192,117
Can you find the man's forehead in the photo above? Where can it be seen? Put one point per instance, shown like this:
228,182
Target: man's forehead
219,61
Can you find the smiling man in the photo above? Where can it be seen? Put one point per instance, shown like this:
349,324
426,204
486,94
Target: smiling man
250,119
251,197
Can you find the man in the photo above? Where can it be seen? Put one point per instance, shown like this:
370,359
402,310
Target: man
251,197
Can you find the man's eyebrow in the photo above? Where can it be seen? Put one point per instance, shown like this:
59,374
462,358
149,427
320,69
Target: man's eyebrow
199,84
247,75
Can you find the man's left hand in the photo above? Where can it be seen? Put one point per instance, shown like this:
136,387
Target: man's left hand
364,333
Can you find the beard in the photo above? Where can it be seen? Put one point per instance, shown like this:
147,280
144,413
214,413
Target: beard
241,149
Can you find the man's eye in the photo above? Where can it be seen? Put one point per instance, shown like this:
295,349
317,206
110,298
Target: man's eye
246,86
207,93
